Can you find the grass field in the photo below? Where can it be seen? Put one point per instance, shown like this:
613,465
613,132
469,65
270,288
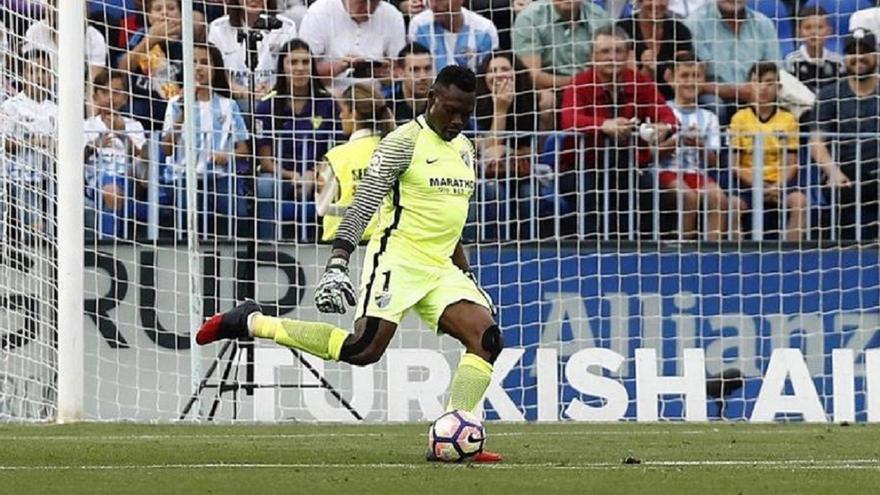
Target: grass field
563,458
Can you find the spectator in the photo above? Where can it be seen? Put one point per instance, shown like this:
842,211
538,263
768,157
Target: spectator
114,143
221,137
453,34
28,124
43,35
230,34
155,62
297,126
849,107
353,39
506,118
732,38
812,63
605,104
365,120
658,37
553,39
779,130
294,10
697,145
415,71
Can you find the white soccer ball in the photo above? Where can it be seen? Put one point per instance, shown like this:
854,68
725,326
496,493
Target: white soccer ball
456,436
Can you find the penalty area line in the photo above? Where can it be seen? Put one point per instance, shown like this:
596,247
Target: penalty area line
793,464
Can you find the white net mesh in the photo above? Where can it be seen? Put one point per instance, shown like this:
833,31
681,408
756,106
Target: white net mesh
659,206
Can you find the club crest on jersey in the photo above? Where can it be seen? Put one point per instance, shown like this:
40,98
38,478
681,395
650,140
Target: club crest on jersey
383,299
467,159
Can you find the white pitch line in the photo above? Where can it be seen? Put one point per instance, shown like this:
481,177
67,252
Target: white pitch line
842,464
85,437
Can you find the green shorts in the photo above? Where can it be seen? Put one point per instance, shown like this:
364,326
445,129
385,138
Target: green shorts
392,287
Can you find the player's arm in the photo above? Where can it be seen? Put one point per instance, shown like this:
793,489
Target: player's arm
390,160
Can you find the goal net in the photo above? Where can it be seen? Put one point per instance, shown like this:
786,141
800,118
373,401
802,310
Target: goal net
657,247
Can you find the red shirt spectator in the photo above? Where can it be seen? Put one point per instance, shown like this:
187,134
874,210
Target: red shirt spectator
597,106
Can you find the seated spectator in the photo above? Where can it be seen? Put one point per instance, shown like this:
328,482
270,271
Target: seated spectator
453,34
251,21
155,62
365,118
507,117
658,37
779,130
221,138
297,126
353,39
415,72
43,35
812,63
553,39
27,123
114,143
605,104
852,106
697,145
731,38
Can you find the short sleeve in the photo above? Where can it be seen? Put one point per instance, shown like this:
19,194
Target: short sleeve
713,132
525,32
239,128
96,51
135,132
738,138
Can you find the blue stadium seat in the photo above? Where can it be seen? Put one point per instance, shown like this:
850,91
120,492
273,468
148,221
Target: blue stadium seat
840,12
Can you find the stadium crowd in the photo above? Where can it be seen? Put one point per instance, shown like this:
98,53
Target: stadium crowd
682,119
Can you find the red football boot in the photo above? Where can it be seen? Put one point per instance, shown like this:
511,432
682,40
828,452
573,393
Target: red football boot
229,325
486,457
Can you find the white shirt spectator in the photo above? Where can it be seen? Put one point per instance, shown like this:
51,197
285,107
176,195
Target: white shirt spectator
866,19
113,155
39,37
477,38
694,121
224,36
332,34
24,119
684,8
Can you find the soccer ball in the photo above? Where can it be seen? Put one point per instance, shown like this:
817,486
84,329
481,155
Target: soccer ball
456,436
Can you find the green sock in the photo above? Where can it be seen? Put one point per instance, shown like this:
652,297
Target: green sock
323,340
469,383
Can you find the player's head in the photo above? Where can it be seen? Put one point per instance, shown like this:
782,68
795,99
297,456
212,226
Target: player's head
451,100
362,106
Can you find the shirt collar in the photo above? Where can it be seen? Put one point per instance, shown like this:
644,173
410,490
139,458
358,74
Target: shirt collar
558,18
360,133
806,54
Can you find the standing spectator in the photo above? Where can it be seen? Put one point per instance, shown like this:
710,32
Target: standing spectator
155,62
506,119
731,38
605,104
553,39
697,145
779,130
43,35
296,127
454,34
353,39
114,143
365,118
230,34
221,137
852,107
812,63
28,124
415,72
658,37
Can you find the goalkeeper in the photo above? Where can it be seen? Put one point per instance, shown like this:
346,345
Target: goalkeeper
420,180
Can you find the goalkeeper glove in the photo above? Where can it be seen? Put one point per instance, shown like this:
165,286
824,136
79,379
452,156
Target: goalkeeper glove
335,288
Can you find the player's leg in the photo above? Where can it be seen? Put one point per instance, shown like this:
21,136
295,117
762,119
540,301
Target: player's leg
687,199
324,340
716,204
473,326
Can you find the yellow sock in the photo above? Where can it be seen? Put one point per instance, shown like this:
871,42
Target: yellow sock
469,383
323,340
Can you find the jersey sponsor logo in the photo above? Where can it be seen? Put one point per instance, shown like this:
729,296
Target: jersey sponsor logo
375,163
452,185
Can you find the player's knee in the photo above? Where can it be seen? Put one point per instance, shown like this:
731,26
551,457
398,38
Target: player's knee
369,356
492,342
360,348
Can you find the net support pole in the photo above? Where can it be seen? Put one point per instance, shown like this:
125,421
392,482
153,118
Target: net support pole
71,258
192,224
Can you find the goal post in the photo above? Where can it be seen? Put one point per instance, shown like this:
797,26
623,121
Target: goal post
70,246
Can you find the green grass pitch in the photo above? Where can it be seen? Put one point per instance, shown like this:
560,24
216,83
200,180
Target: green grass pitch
540,459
